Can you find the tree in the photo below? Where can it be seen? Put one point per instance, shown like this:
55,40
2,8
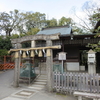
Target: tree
65,21
92,15
78,30
5,45
9,21
3,52
5,23
22,23
33,20
32,31
95,47
51,23
14,36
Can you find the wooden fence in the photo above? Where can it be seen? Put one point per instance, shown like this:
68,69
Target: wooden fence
7,66
6,62
70,82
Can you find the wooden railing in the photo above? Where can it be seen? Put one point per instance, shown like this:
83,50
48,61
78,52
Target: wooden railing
70,82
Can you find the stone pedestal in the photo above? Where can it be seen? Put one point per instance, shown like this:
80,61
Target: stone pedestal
91,68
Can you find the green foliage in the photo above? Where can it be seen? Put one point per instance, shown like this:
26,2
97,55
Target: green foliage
3,52
33,20
65,21
32,31
14,36
5,43
96,15
95,47
51,23
28,23
77,30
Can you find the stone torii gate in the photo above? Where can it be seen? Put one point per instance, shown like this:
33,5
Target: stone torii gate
49,59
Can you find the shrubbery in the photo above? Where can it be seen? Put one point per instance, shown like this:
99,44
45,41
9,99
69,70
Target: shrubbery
5,45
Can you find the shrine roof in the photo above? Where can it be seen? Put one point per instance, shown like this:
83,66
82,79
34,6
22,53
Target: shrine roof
63,30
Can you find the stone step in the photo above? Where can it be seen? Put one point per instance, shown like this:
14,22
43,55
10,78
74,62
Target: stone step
40,83
36,88
43,75
35,85
41,80
44,78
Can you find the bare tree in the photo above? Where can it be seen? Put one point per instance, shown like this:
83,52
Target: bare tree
91,16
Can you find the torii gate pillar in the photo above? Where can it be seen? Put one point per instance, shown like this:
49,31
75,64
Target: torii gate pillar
49,64
17,68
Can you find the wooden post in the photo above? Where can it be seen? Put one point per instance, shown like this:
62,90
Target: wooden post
49,64
4,62
17,68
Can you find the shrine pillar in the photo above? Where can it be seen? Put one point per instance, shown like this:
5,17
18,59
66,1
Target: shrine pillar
49,64
17,66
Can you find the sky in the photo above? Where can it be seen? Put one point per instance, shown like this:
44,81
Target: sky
52,8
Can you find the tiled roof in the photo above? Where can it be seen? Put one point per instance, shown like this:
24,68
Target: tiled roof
64,30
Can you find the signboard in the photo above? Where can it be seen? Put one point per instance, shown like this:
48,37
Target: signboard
62,56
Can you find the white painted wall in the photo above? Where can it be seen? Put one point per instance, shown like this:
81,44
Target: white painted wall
72,66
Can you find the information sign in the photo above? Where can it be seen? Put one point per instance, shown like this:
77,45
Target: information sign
62,56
